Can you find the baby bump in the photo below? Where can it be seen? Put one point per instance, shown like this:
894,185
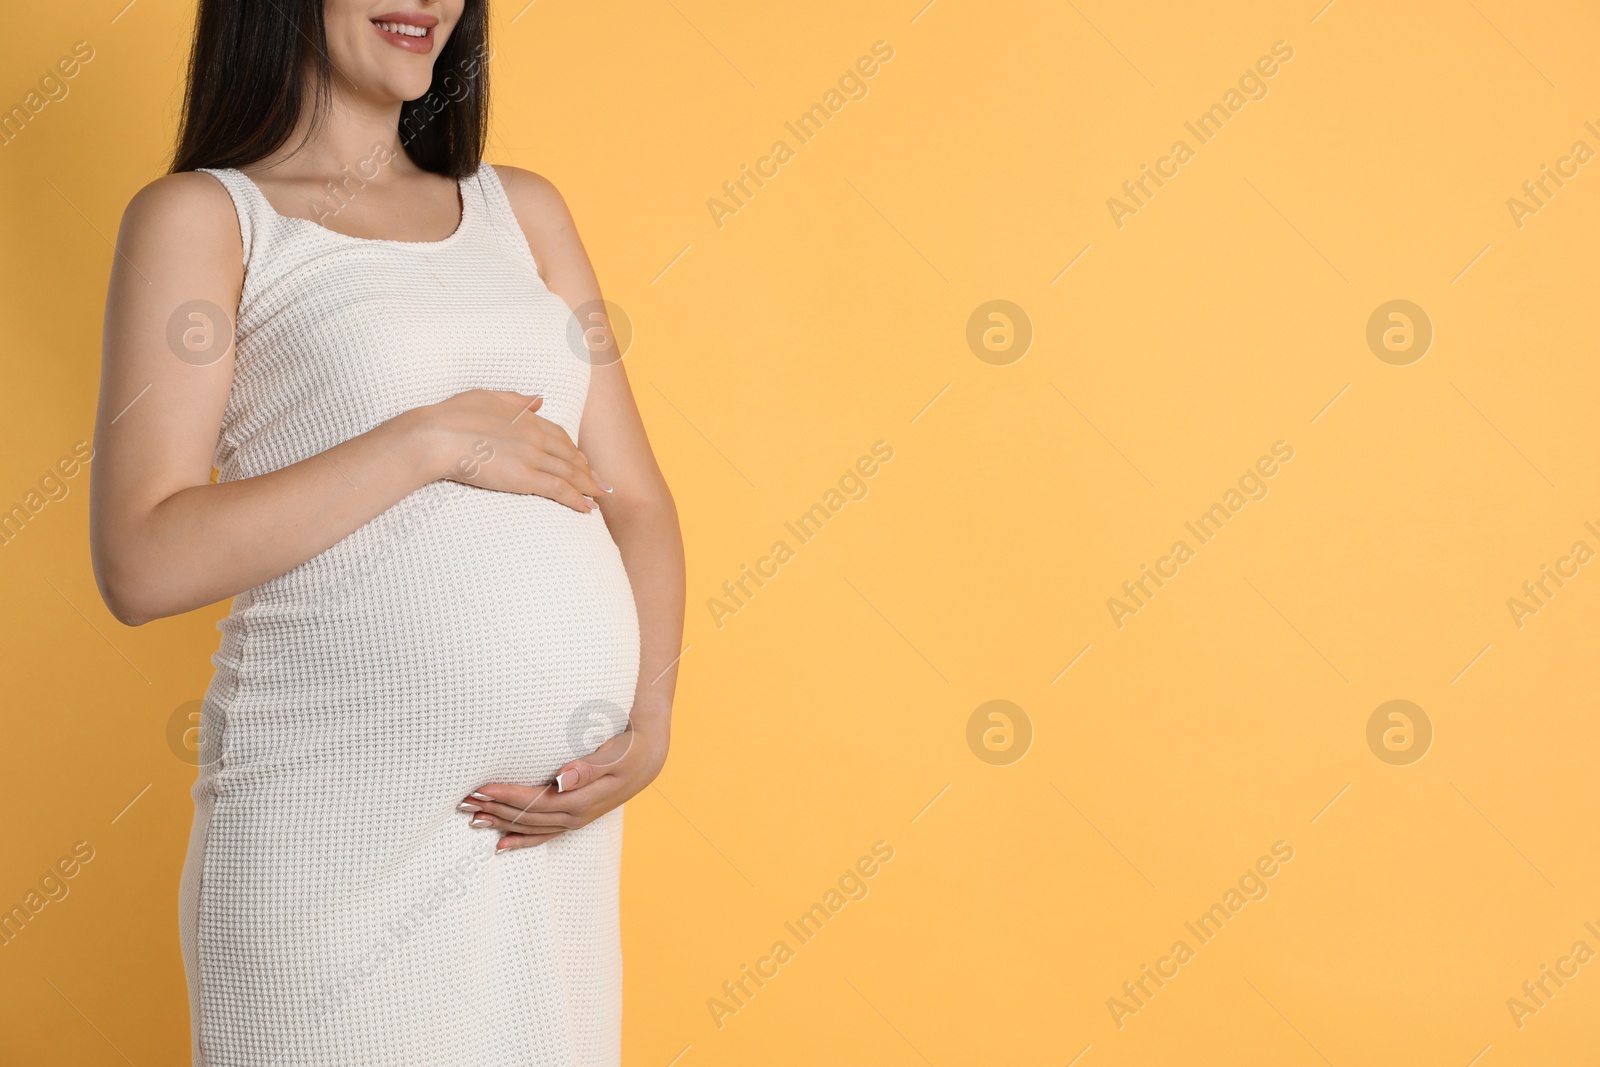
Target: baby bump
470,633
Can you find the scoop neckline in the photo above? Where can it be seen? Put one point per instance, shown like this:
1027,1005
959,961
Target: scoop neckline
461,224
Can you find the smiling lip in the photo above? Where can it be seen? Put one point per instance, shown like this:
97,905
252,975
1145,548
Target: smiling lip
394,28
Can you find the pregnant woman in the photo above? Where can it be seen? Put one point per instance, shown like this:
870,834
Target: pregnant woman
456,570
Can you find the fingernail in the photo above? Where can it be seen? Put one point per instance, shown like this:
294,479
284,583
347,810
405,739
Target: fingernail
560,786
482,796
483,820
464,806
604,486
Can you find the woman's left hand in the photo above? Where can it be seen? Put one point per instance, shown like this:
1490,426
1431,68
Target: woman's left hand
588,788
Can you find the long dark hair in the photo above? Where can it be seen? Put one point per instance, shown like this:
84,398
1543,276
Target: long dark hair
247,87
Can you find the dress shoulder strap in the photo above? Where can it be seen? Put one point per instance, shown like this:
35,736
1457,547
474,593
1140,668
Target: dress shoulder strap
255,214
497,212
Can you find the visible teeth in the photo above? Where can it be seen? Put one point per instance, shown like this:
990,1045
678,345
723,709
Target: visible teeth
404,29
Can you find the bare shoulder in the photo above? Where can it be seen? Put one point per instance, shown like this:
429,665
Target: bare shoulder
547,224
189,212
534,192
538,205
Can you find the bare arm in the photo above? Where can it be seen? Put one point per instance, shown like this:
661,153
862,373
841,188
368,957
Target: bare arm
164,538
640,512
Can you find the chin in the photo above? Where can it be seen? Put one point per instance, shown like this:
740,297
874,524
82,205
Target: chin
406,87
388,48
377,85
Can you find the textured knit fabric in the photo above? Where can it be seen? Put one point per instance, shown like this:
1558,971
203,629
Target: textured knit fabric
337,910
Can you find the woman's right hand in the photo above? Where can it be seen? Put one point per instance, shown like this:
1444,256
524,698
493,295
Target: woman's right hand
494,439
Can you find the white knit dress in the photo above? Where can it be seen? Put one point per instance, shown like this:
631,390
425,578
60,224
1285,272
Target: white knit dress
337,910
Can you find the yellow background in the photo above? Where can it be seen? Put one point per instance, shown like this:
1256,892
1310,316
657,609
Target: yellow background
828,713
